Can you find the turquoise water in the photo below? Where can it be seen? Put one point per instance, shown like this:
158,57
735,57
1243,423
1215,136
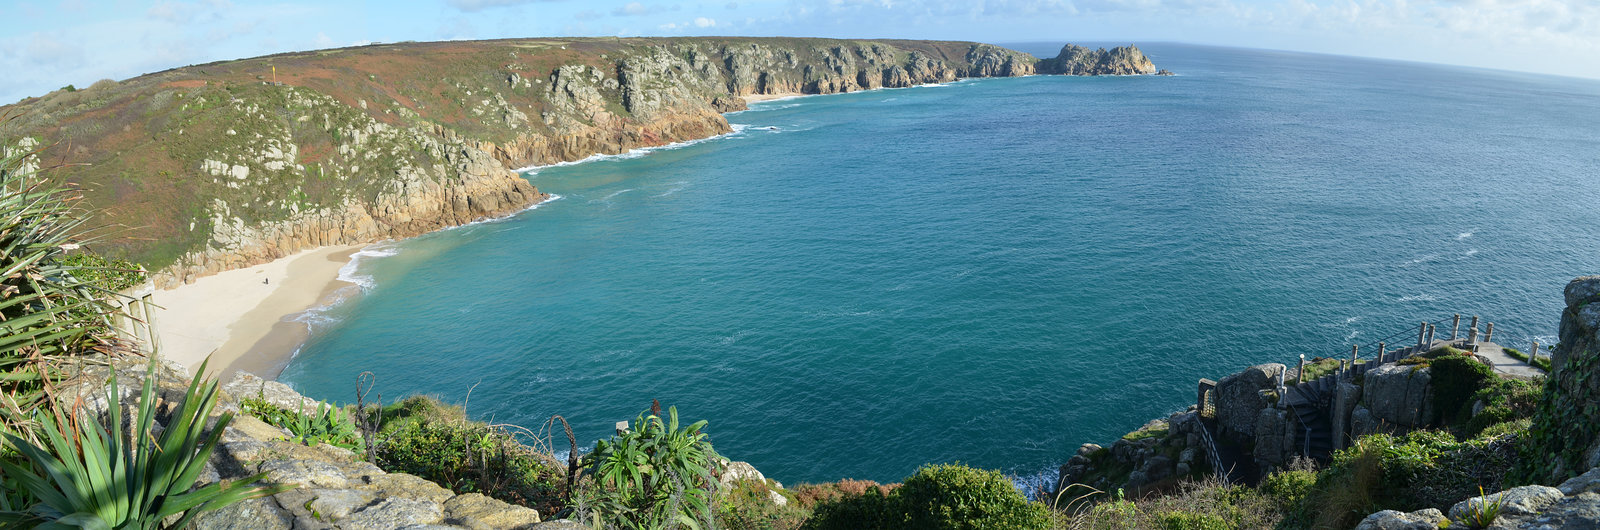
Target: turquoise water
992,271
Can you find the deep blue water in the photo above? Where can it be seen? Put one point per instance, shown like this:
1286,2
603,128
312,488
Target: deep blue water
993,271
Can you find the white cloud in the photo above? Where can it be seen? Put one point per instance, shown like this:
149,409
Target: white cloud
636,9
479,5
703,22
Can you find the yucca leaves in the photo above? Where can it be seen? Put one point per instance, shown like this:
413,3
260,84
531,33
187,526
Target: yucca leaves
47,314
86,475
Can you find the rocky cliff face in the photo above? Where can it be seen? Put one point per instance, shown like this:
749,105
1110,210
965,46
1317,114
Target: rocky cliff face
225,165
1078,60
1567,425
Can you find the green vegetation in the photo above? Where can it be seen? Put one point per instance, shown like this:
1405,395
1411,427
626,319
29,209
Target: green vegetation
1198,505
1537,361
429,439
1481,514
84,475
107,274
937,496
1315,369
1456,377
48,314
657,473
326,424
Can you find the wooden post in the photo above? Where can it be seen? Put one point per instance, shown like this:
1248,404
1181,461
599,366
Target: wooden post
1533,354
1488,333
1342,370
1383,353
1430,337
1300,373
1472,332
1354,348
1422,331
1455,328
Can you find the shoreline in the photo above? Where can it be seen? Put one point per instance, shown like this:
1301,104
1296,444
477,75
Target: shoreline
241,319
248,326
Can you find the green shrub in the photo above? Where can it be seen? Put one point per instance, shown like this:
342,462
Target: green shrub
327,424
957,496
1455,379
1504,400
1518,426
936,496
652,475
471,457
1194,521
108,274
748,505
1288,488
867,511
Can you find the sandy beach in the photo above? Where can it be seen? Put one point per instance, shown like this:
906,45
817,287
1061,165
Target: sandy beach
755,98
238,317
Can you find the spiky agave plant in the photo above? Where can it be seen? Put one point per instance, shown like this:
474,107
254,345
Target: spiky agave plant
46,313
85,475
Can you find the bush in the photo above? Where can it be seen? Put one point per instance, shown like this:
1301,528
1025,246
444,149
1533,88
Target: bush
1193,521
957,496
1455,379
435,441
936,496
1504,400
1289,488
869,510
748,505
100,272
654,474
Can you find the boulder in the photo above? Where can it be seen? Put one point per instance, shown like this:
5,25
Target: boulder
1276,431
1428,519
394,513
1573,442
1519,501
1399,394
1239,402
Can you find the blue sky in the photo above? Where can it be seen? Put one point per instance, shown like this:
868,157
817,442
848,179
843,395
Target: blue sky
45,44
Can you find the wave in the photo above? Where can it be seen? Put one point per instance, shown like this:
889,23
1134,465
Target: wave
738,128
1463,235
1417,298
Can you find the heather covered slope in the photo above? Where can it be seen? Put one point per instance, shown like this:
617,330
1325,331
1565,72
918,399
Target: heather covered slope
217,166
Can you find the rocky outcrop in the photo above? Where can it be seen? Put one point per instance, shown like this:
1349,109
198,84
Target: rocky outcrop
1239,400
1399,394
1567,424
334,488
1574,504
1161,451
1078,60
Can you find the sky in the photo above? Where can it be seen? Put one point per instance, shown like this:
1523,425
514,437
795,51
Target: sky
47,44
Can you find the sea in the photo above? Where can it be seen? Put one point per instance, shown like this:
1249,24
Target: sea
991,271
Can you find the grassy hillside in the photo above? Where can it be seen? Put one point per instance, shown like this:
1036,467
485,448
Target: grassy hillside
219,165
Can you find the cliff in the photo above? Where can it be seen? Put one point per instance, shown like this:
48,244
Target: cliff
1566,428
1078,60
218,166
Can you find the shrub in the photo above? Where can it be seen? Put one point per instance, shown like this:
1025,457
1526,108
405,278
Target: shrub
1504,400
100,272
1455,379
472,457
654,474
810,495
957,496
1193,521
869,510
1288,488
748,505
